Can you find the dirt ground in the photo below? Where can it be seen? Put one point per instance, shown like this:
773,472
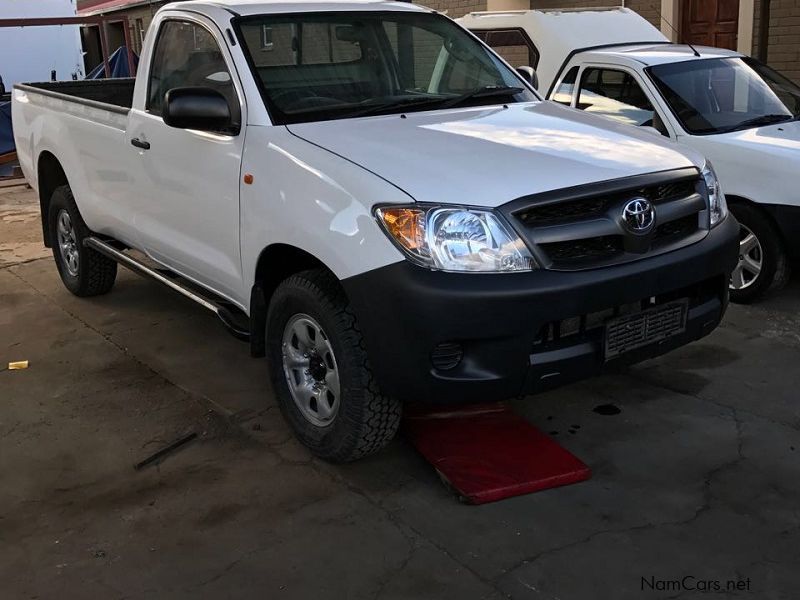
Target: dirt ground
696,480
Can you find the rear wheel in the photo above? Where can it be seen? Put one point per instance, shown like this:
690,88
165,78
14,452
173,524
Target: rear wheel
85,272
762,265
320,371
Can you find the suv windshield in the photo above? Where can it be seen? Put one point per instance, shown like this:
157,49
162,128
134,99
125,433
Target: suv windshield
332,65
726,94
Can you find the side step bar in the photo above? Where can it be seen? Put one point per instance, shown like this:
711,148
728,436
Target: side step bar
231,317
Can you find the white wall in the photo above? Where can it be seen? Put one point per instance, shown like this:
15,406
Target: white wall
30,53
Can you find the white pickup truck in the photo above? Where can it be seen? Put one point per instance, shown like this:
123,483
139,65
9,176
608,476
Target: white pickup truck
739,113
381,205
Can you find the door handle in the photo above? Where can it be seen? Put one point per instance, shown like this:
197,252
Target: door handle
140,144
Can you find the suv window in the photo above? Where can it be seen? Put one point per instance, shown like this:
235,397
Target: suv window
513,45
187,55
615,94
565,89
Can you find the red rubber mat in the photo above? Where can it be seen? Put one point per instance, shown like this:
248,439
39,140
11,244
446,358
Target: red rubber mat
487,453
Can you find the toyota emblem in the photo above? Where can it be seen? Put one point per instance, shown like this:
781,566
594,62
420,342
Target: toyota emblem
639,215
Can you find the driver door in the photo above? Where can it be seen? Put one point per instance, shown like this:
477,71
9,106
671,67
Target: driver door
188,217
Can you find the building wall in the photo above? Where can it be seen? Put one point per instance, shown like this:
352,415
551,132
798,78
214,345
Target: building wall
145,13
784,35
783,51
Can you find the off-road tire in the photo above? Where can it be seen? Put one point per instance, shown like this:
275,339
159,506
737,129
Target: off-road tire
366,420
96,273
775,269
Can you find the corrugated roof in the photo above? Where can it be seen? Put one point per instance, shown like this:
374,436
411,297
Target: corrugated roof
91,7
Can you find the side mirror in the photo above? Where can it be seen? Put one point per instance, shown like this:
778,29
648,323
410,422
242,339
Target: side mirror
529,75
198,108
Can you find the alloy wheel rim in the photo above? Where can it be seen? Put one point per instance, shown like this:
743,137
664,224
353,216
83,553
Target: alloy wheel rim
67,243
311,370
751,260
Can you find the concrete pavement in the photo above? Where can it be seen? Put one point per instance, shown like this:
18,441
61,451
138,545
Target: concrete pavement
696,477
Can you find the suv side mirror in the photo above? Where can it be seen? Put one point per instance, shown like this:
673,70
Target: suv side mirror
198,108
529,75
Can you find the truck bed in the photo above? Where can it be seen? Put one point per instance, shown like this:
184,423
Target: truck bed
114,92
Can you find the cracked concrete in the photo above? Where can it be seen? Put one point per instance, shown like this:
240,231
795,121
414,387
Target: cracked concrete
697,476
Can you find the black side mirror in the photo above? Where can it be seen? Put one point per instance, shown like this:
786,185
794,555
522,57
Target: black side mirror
198,108
529,75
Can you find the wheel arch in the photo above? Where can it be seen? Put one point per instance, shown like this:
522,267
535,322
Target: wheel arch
765,209
50,175
275,263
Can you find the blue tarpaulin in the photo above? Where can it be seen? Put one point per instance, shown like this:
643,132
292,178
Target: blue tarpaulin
117,63
6,135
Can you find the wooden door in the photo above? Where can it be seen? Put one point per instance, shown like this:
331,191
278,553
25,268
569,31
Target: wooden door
710,22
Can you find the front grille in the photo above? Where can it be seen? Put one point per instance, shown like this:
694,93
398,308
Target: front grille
446,356
678,228
645,328
586,249
582,228
587,208
567,211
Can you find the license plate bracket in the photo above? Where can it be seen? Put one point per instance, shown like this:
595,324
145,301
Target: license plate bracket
650,326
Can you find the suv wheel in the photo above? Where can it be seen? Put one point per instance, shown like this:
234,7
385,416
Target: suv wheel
763,265
85,272
320,371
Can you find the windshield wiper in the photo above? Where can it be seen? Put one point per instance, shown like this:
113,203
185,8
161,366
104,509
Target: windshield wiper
760,120
487,91
403,103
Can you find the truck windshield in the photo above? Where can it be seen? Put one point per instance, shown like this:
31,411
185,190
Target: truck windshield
321,66
726,94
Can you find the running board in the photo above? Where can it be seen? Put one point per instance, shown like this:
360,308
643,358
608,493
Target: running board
231,316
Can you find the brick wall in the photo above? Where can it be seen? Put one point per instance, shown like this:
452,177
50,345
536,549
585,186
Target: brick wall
784,37
145,13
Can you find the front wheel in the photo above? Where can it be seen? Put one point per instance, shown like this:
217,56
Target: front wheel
320,371
762,265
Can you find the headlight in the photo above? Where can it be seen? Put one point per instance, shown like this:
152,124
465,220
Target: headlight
455,239
717,205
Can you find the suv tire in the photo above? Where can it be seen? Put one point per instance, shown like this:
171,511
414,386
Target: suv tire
320,372
763,265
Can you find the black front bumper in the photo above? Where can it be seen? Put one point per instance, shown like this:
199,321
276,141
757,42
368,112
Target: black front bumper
412,318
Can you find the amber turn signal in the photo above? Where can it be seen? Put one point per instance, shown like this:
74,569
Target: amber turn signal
406,226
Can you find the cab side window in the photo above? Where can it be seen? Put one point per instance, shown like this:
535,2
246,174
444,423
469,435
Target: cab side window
616,94
187,55
565,89
513,45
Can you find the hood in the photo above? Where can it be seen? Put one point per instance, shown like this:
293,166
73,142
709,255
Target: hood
754,160
488,156
781,141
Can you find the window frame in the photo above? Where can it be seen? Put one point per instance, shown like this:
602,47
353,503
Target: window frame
575,85
680,127
528,41
266,46
642,83
224,52
277,117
